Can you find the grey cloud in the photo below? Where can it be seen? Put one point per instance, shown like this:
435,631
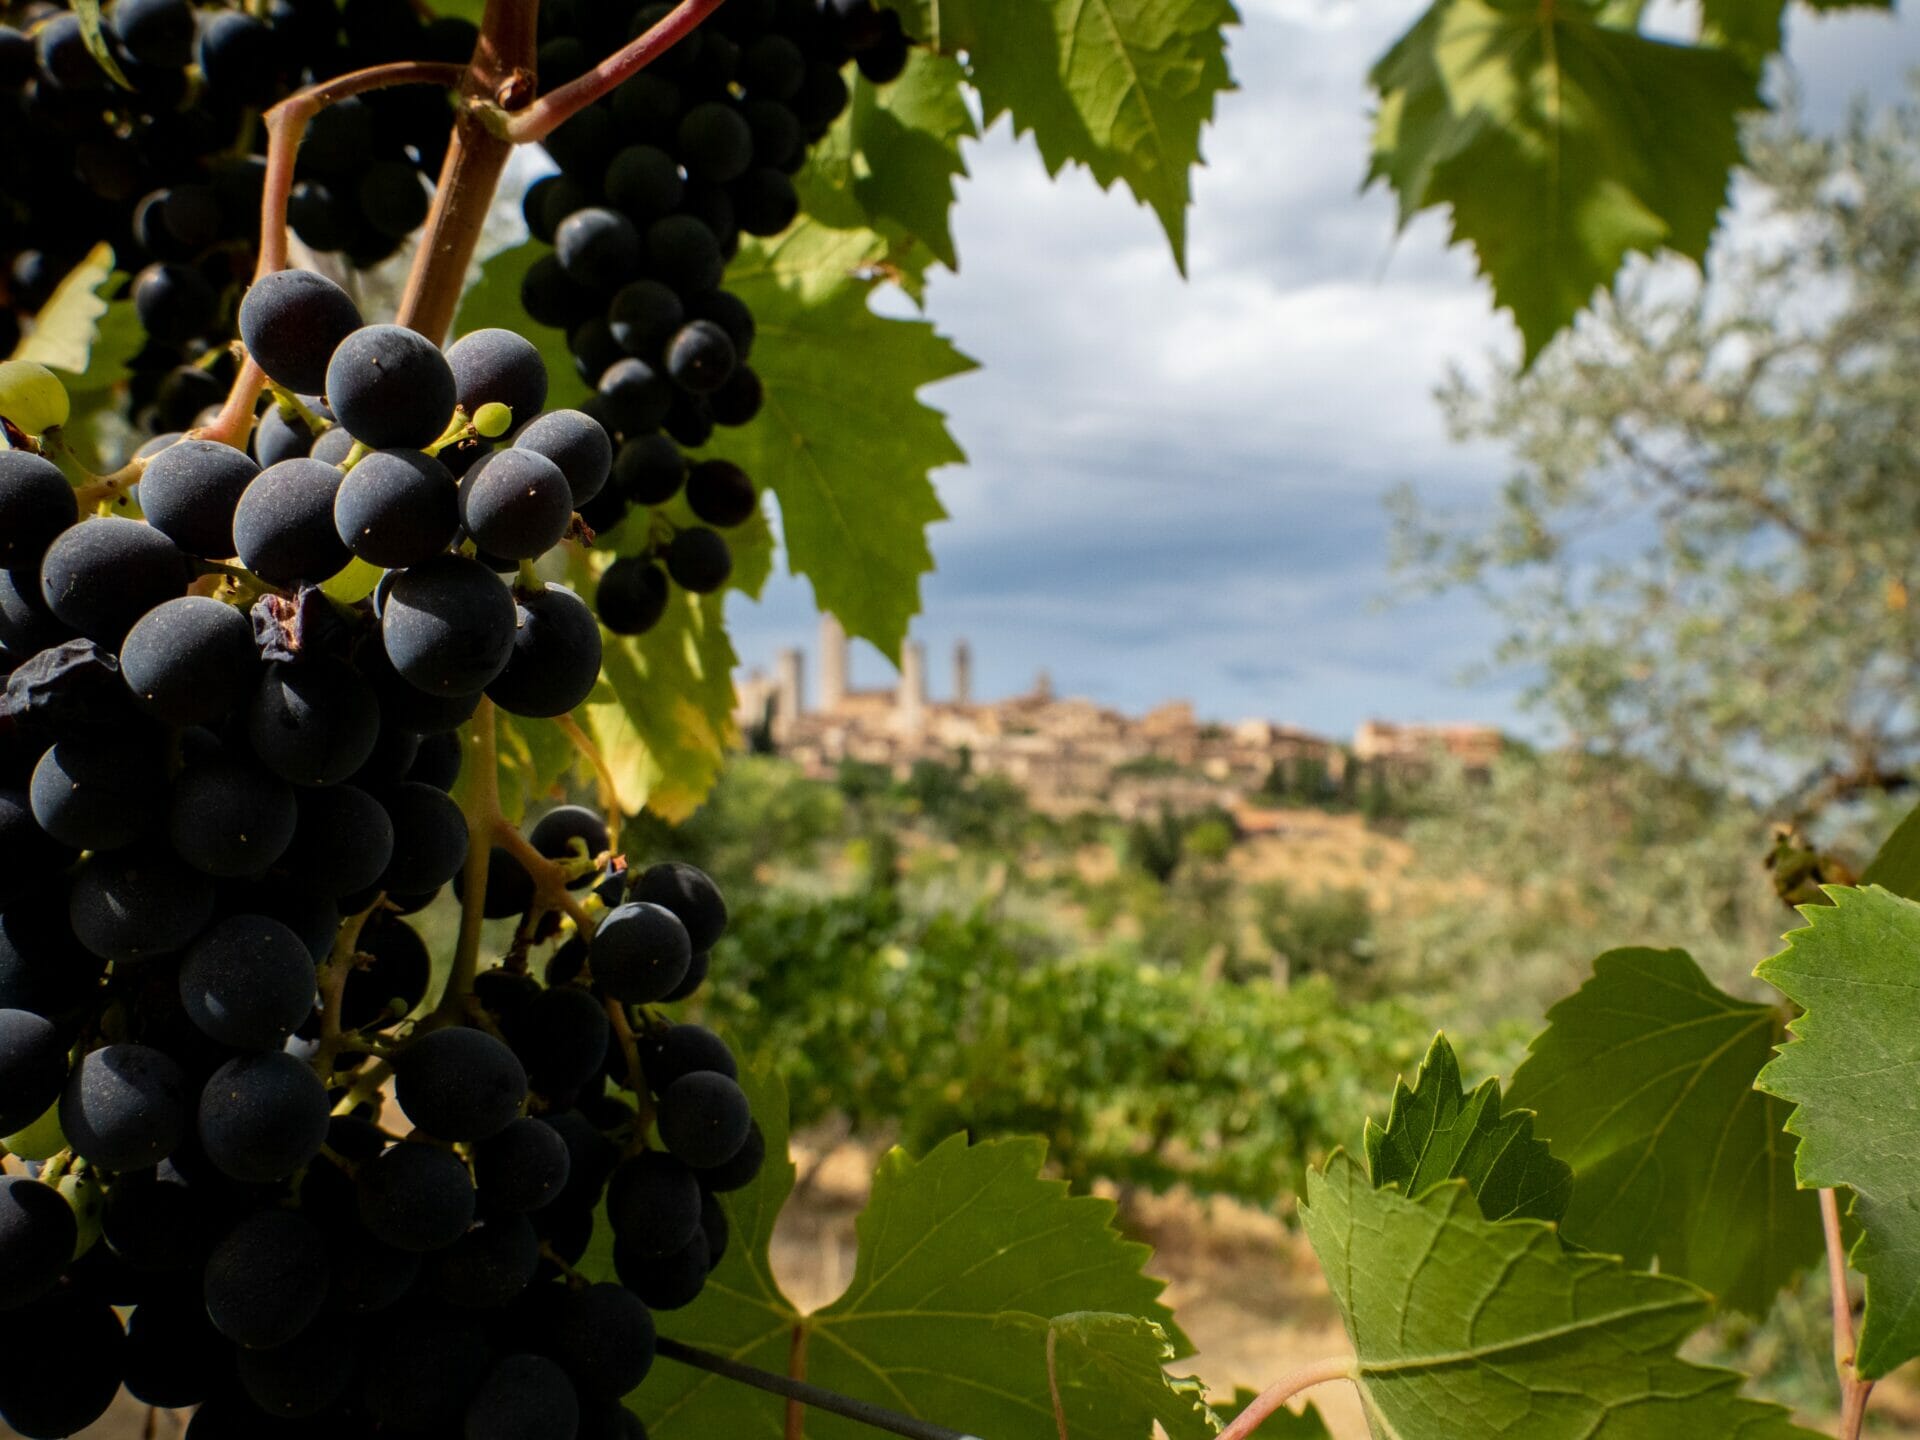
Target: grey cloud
1175,487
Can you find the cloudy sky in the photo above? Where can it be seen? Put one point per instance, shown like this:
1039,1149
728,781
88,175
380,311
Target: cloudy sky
1175,487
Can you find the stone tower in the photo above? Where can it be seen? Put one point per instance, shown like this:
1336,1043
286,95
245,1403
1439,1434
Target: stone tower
789,690
962,673
833,664
911,699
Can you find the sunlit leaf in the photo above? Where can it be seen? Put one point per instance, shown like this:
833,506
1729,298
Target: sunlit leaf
1437,1132
844,440
93,35
1643,1082
1561,143
1465,1328
964,1254
1123,87
1852,1072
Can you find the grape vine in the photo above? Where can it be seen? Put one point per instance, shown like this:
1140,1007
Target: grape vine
360,606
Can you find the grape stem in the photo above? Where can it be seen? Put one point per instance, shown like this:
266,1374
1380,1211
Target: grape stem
366,1087
1855,1390
235,419
500,78
624,1037
286,124
1053,1383
459,428
603,772
816,1396
559,1262
333,986
293,407
554,109
549,878
109,487
797,1367
1294,1382
482,810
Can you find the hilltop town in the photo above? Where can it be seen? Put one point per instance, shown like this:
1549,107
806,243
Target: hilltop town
1071,754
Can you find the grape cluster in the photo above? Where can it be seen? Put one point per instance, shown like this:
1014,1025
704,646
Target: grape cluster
208,806
169,171
657,184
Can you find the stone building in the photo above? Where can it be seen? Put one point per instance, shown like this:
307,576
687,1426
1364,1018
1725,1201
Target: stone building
1068,754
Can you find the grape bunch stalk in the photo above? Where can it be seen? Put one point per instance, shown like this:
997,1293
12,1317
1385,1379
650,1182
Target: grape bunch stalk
227,738
167,168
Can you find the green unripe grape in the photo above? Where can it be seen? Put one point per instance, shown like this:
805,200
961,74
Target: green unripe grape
32,397
493,419
354,583
89,1203
42,1140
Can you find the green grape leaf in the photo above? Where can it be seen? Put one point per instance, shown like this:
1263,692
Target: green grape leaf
962,1253
473,10
890,162
71,325
812,260
1437,1132
94,36
1560,142
89,341
751,1213
1465,1328
1749,28
848,456
116,340
751,541
531,756
1896,866
843,439
1123,87
663,715
1852,1072
1753,28
534,756
1099,1357
1643,1082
